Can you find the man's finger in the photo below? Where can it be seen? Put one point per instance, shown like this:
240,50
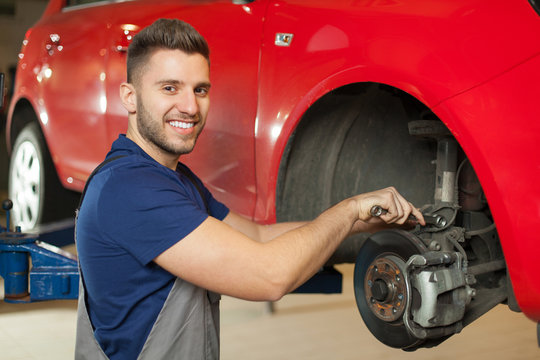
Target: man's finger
418,215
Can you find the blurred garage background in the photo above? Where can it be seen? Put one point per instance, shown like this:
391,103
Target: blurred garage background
300,327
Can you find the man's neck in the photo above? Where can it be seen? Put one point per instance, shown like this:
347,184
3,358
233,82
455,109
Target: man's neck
165,159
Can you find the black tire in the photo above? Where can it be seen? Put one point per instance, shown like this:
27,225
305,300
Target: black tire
37,195
347,144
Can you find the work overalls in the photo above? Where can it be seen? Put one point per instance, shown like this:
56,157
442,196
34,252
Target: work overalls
187,326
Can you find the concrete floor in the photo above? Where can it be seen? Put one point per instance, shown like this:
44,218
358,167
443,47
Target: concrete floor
302,327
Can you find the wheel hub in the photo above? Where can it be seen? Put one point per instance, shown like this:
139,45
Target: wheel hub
385,288
24,185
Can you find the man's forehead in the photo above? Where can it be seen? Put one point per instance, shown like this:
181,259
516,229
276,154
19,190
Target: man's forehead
177,65
163,55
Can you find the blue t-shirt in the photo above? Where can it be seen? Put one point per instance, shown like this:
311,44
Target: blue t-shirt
134,209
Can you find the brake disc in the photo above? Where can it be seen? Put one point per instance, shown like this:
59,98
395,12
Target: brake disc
380,288
385,289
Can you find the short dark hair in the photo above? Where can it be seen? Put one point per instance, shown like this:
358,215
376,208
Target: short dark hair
170,34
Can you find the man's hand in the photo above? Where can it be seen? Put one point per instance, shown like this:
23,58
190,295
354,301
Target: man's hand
398,210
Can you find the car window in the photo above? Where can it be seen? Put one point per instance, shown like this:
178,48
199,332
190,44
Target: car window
71,3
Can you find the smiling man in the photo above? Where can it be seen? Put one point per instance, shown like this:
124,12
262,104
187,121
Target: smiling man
175,105
155,247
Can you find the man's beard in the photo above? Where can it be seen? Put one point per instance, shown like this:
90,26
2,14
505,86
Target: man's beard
152,131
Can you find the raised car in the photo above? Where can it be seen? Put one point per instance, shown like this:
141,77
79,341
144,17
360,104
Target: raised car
314,101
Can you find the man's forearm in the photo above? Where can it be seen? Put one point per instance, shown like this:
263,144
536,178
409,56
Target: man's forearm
270,232
301,252
299,249
257,232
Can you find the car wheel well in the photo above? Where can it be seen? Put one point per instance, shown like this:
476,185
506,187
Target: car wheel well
23,114
354,139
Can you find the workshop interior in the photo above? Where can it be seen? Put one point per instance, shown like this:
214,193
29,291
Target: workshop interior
331,113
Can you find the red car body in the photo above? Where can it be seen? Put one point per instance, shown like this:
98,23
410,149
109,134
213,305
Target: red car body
474,64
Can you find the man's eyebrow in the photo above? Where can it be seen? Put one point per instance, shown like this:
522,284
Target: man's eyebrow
205,84
169,81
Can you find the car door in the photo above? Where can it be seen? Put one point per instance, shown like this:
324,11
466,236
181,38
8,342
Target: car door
71,75
224,155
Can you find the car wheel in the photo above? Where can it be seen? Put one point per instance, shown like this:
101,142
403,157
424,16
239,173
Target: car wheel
34,188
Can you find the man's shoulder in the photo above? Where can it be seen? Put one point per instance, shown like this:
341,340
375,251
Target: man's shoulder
134,168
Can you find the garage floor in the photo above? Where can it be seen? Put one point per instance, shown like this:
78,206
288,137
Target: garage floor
302,327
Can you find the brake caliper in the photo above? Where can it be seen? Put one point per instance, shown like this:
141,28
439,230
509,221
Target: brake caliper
439,280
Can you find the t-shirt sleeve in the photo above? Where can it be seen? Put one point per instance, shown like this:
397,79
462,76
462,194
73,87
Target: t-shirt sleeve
216,208
145,212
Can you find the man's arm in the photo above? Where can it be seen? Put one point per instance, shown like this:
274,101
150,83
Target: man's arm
228,257
258,232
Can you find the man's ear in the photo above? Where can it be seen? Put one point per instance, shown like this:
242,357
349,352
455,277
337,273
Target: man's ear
128,96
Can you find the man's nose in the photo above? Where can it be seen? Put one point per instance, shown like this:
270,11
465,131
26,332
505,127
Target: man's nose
187,103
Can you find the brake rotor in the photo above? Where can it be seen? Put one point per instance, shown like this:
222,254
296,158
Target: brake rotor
380,287
385,289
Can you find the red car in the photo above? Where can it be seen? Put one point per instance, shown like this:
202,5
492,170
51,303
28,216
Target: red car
313,101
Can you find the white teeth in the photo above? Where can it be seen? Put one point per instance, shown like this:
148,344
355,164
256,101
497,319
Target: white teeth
180,124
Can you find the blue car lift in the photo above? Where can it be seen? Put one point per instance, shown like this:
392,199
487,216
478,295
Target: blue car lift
34,270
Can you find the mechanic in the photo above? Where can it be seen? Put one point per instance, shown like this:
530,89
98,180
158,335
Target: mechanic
155,247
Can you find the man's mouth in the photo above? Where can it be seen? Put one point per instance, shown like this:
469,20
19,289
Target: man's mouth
181,124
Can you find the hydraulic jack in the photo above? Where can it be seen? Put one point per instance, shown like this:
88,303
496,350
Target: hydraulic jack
34,270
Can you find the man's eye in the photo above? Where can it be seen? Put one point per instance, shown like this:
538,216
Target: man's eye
201,91
169,88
